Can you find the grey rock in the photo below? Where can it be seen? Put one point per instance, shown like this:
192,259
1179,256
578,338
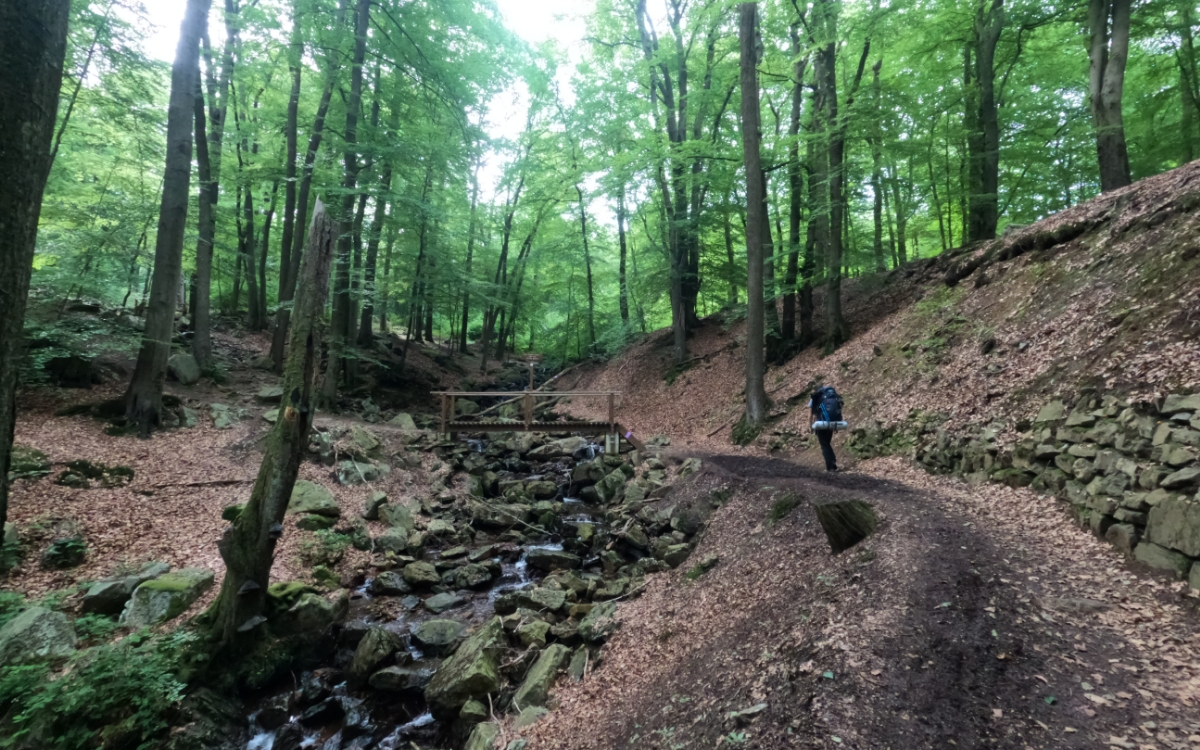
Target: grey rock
108,597
36,635
1175,524
394,540
403,421
1194,577
309,497
599,623
483,737
1163,559
1177,402
421,574
376,648
401,679
472,672
184,368
559,448
397,516
355,473
438,637
166,597
271,394
530,716
549,560
536,688
389,583
439,603
499,516
373,504
1124,537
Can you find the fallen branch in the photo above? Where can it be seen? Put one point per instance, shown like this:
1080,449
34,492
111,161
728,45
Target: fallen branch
213,483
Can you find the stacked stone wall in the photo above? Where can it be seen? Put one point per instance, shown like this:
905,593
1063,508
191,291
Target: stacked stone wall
1130,471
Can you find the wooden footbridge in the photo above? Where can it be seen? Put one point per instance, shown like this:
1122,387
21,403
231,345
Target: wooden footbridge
452,422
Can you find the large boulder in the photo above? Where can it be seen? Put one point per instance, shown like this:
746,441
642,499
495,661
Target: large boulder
1163,559
611,486
499,516
559,448
421,574
403,421
551,559
397,516
373,652
184,368
355,473
600,622
536,599
536,688
108,597
310,497
472,672
438,637
270,394
166,597
439,603
401,679
11,537
36,635
1175,524
312,615
483,737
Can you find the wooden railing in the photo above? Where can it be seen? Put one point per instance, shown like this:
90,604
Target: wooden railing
452,422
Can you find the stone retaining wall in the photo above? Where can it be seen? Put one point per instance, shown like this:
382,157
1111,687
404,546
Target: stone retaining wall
1130,471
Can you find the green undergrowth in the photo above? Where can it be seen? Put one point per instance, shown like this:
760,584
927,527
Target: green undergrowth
783,507
112,695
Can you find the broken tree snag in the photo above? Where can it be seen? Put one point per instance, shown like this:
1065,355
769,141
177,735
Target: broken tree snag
846,523
248,545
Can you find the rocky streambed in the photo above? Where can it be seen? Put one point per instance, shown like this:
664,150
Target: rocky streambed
504,578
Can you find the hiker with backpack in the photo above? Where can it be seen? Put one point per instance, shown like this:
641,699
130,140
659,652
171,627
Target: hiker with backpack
826,408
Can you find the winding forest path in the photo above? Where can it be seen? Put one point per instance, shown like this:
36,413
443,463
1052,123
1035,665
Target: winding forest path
973,618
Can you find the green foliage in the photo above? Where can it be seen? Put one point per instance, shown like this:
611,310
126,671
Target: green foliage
326,547
11,604
95,627
123,694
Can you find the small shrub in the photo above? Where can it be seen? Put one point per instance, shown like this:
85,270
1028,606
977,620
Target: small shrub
113,696
783,507
95,627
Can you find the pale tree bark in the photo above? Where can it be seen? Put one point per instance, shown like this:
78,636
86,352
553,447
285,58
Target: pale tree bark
209,144
1108,22
877,187
624,246
340,328
248,545
756,222
32,49
466,303
283,314
983,123
795,195
143,399
587,261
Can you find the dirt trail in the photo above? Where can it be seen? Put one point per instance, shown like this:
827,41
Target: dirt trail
973,618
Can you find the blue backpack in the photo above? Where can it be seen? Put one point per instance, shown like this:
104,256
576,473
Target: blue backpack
828,404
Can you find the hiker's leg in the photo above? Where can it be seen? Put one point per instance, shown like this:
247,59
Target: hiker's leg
826,439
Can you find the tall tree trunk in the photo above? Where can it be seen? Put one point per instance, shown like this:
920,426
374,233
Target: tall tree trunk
143,399
386,286
756,222
622,241
587,262
32,50
730,259
877,187
209,162
1109,26
266,249
836,332
248,545
466,302
375,234
774,341
292,138
795,194
983,124
248,257
342,303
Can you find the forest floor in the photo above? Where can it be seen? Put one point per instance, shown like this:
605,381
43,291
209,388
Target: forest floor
974,617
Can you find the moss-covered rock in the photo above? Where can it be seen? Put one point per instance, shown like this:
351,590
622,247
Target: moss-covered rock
541,676
36,635
166,597
472,672
312,498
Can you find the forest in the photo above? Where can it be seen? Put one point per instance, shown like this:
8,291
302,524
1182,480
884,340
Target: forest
344,208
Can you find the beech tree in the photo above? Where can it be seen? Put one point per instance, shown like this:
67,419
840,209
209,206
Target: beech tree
32,48
1108,23
756,221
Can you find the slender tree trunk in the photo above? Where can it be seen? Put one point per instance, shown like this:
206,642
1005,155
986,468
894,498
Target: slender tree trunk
266,248
730,259
283,315
587,262
983,124
342,303
386,286
466,301
1109,25
756,221
374,236
835,324
248,545
211,152
143,399
623,243
795,194
248,260
291,135
774,340
32,51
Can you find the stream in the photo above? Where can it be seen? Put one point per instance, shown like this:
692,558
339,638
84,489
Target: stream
323,708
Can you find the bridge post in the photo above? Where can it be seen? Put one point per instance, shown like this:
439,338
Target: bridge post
528,409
